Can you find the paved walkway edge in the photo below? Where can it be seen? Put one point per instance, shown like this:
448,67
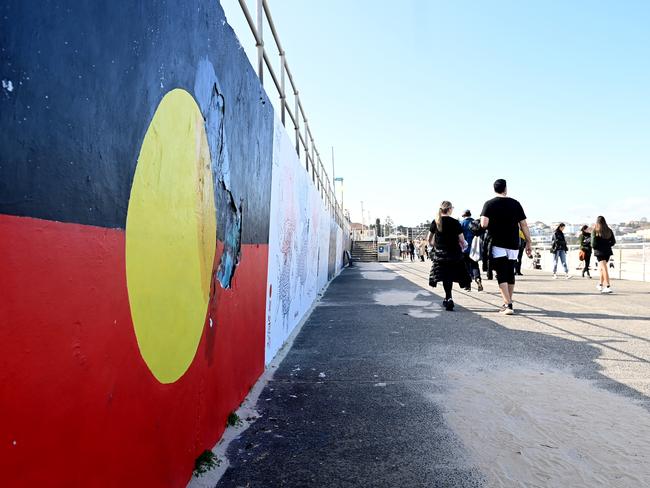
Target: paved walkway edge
246,411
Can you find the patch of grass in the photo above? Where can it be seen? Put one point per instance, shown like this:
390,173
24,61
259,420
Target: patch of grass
205,462
233,419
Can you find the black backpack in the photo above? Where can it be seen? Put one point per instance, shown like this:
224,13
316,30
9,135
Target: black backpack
475,228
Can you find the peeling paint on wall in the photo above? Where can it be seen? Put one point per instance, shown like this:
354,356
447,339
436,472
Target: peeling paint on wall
211,98
8,85
232,222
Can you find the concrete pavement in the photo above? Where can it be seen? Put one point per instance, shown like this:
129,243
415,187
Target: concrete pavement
365,397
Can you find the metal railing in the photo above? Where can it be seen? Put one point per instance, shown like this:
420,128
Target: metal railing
304,139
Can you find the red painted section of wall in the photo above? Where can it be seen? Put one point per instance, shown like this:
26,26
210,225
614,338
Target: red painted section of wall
75,395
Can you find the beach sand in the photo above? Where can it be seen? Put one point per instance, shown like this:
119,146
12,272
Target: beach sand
537,427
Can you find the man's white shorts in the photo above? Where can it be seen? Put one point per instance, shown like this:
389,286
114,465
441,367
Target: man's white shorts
499,252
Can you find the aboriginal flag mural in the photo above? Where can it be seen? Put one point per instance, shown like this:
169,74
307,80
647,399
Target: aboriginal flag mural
135,180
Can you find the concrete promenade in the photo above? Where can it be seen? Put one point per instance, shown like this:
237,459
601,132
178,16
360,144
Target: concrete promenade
383,388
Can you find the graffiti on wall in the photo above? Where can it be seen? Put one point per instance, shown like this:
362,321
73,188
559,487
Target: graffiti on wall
300,249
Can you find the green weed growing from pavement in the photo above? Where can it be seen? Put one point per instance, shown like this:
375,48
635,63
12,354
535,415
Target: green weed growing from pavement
205,462
233,419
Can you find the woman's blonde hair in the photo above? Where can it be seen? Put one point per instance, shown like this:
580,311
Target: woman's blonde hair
445,207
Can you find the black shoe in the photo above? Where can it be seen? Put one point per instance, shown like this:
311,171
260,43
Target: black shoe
479,284
449,305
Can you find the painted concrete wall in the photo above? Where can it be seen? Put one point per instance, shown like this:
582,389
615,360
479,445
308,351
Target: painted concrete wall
302,255
138,158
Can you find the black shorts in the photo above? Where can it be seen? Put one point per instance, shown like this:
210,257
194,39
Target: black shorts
505,269
600,257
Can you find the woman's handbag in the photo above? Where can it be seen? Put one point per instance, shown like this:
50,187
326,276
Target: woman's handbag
581,255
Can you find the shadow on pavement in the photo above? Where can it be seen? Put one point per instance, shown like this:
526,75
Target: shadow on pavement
351,404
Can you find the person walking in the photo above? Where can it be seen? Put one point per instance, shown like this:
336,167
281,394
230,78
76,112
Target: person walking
422,249
584,240
412,250
602,241
559,249
503,217
402,250
472,266
446,237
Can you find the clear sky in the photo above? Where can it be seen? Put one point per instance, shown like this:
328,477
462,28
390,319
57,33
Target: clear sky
427,101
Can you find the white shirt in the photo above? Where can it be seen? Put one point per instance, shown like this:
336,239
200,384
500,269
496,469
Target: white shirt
499,252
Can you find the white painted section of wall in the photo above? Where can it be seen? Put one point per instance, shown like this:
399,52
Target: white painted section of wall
299,242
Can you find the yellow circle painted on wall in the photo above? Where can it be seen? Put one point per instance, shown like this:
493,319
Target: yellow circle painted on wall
171,237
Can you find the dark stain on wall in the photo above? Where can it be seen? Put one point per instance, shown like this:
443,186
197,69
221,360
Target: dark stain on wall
86,78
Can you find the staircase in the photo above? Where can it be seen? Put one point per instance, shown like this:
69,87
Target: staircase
364,251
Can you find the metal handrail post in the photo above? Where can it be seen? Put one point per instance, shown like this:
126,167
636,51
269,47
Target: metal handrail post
313,158
260,41
306,147
297,122
283,95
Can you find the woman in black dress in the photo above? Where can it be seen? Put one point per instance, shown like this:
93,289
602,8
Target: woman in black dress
446,237
602,240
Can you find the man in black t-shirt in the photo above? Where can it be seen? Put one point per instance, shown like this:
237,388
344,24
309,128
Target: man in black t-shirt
503,217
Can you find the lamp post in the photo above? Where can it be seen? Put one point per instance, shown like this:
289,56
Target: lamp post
339,180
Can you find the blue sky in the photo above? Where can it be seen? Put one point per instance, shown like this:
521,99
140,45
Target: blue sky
426,101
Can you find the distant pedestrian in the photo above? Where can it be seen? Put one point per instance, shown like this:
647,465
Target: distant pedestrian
559,249
503,217
422,249
584,240
472,266
446,237
522,247
602,241
403,250
411,247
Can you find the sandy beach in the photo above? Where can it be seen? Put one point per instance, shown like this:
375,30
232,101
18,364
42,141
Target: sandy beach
541,428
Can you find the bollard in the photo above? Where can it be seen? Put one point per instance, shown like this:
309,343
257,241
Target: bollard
620,263
643,258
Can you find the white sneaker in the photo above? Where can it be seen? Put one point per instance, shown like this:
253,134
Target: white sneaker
554,276
606,290
599,287
567,276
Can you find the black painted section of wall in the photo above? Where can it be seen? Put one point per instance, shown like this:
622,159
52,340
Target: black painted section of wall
87,78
